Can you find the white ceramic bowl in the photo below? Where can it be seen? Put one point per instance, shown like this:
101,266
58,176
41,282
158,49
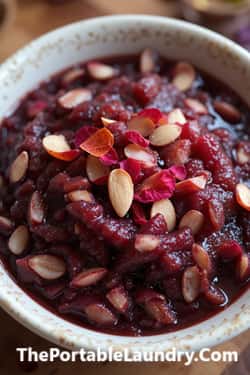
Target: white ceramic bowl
116,36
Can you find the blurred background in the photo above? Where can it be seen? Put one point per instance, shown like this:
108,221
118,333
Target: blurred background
23,20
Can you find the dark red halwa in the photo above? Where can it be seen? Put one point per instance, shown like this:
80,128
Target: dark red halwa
125,200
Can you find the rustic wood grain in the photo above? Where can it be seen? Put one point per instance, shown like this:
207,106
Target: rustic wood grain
35,17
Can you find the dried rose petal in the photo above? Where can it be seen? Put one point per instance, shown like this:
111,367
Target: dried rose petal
153,114
133,167
156,187
138,214
84,133
99,143
135,137
229,250
110,158
178,171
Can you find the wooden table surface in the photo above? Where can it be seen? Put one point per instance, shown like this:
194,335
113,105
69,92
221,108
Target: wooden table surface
33,18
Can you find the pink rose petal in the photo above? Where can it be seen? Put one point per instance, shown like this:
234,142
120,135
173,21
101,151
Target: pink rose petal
153,113
135,137
156,187
138,213
178,171
133,167
110,158
83,133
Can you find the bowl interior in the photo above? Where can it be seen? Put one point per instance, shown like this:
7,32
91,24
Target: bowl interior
106,37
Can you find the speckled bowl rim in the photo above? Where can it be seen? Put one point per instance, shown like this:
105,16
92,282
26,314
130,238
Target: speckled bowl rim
15,302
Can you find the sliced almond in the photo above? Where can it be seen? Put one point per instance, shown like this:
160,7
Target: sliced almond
101,71
36,209
80,195
74,97
194,220
118,298
95,169
48,267
196,106
146,242
141,154
55,144
121,191
201,257
165,134
243,157
184,76
6,225
243,196
19,239
191,185
107,121
227,111
144,125
176,116
72,75
88,277
167,209
19,167
191,282
147,63
100,314
243,267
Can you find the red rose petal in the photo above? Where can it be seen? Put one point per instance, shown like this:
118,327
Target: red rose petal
84,133
178,171
133,167
156,187
153,114
110,158
135,137
138,213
